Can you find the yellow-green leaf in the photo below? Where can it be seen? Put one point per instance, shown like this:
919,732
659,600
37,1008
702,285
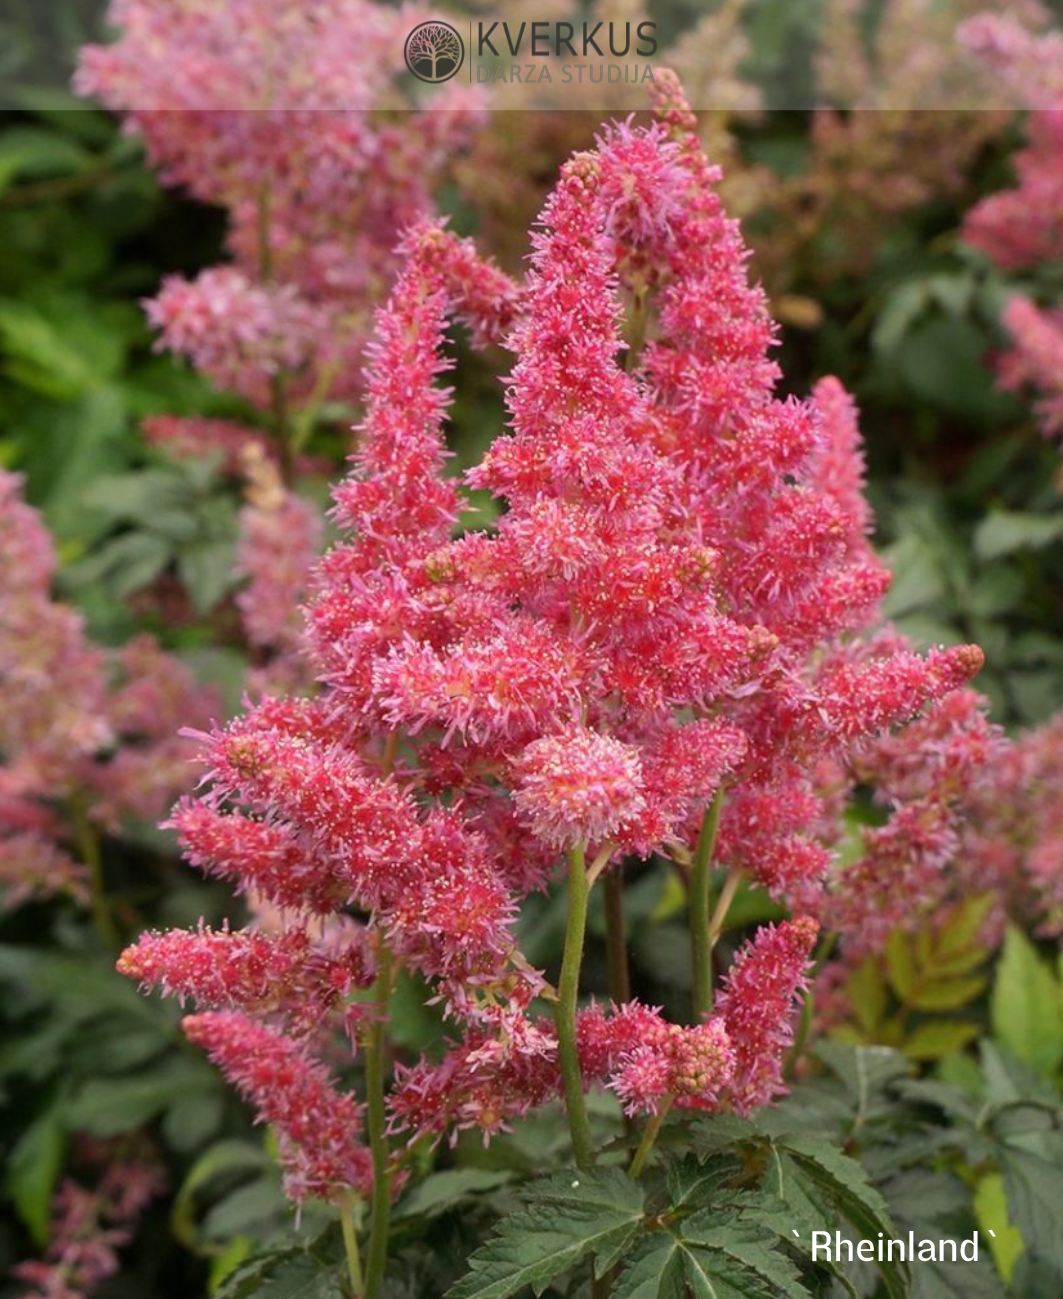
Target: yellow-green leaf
991,1209
949,994
900,964
938,1038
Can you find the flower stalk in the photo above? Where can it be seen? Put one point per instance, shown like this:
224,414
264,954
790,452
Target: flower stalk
701,943
376,1123
565,1011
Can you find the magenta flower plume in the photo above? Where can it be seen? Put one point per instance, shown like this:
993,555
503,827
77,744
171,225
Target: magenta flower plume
317,1126
756,1006
666,647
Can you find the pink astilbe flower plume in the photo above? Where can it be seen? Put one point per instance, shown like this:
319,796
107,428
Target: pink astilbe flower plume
85,731
317,1125
1021,228
673,614
756,1004
91,1224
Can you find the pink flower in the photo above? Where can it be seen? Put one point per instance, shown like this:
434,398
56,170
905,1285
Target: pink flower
578,787
756,1005
318,1126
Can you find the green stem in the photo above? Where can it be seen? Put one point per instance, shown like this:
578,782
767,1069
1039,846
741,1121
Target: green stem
723,905
616,936
350,1247
649,1136
376,1120
565,1010
700,890
88,843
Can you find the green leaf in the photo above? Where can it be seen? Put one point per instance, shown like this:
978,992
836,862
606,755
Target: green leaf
949,994
1033,1187
938,1038
751,1247
225,1159
33,1166
573,1215
206,569
900,964
843,1184
37,357
991,1210
442,1191
1003,532
284,1274
867,993
1026,1007
108,1107
865,1071
654,1270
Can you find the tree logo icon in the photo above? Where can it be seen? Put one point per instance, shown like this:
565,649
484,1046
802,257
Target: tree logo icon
434,51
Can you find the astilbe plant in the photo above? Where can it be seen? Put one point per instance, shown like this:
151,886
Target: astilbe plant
92,1223
658,653
1021,229
289,118
88,736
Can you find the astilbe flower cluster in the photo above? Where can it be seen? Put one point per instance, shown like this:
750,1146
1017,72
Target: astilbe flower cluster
266,110
91,1224
1021,229
290,119
668,619
88,736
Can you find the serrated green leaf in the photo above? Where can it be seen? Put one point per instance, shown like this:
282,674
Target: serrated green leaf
796,1231
1026,1006
843,1183
723,1130
654,1270
571,1216
441,1191
1033,1187
694,1183
751,1246
284,1274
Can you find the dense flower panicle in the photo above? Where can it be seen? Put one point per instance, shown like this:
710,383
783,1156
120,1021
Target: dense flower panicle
34,867
287,975
263,857
1030,64
90,1226
578,787
280,537
837,465
1036,359
693,1067
674,605
317,1126
756,1006
85,730
263,109
239,334
1012,839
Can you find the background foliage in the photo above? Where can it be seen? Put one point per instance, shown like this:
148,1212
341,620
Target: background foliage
943,1090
